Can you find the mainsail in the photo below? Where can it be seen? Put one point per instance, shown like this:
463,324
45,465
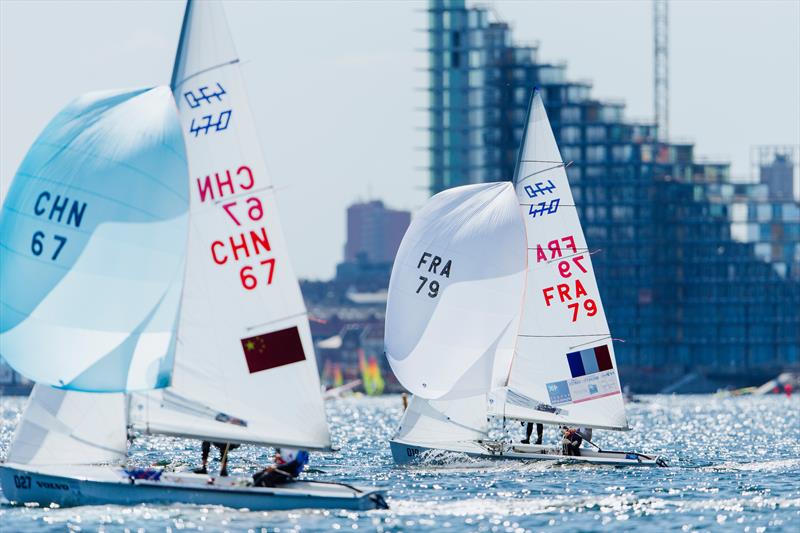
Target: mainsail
564,369
455,294
245,369
93,235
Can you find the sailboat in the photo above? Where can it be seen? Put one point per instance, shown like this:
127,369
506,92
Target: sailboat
147,288
494,312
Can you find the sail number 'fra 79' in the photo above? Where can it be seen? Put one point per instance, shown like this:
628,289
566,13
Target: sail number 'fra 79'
570,267
429,264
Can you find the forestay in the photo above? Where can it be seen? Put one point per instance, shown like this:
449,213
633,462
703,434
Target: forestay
93,235
69,427
245,368
455,294
564,370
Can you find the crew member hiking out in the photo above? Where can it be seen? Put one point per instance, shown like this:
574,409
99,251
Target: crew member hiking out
571,442
288,465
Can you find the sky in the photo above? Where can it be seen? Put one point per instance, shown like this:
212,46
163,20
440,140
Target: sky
337,88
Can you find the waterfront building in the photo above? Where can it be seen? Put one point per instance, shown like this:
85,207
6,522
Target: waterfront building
374,233
699,273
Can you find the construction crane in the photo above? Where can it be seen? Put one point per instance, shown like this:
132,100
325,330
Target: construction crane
661,68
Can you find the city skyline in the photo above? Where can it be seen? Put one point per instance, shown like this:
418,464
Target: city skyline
354,86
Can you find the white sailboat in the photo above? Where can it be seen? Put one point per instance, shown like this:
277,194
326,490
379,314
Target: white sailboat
241,368
494,311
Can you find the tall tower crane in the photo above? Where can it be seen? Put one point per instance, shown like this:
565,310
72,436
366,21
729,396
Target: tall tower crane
661,68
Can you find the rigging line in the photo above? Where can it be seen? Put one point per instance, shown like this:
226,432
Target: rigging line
542,161
589,342
187,78
244,193
566,336
560,164
559,205
574,255
297,315
582,250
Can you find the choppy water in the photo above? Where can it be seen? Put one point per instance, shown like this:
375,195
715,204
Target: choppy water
735,465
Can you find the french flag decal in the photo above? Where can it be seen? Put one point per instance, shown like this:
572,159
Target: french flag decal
589,361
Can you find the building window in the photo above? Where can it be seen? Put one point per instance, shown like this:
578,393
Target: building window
595,154
570,134
570,115
595,133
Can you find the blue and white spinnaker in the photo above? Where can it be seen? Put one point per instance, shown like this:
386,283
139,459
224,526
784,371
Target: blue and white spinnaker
93,237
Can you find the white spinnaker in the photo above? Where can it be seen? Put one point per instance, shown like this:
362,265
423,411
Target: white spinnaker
563,312
437,421
455,294
239,283
68,427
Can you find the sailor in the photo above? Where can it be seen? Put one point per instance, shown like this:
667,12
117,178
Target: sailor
288,465
571,441
224,448
529,431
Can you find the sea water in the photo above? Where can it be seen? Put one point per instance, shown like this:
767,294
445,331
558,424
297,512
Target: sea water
734,466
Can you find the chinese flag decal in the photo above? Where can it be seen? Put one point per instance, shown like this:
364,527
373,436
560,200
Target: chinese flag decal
274,349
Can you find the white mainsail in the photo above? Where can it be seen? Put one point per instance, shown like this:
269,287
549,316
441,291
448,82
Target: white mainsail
245,369
455,294
61,427
564,369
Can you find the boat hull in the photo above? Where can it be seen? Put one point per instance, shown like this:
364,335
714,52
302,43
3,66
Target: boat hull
405,453
75,486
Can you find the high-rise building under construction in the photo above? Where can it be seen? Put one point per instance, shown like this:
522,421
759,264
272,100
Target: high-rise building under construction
700,275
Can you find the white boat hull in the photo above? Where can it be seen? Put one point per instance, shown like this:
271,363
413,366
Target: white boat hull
69,486
405,453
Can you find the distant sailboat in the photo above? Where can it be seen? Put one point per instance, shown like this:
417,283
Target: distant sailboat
244,365
478,328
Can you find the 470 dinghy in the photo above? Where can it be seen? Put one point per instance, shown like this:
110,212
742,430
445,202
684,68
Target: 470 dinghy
159,295
494,311
69,486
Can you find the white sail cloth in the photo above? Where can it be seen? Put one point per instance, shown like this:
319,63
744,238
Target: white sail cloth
564,369
68,427
436,421
455,294
245,369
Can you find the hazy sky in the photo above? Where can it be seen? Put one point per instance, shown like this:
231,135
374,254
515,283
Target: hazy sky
335,86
